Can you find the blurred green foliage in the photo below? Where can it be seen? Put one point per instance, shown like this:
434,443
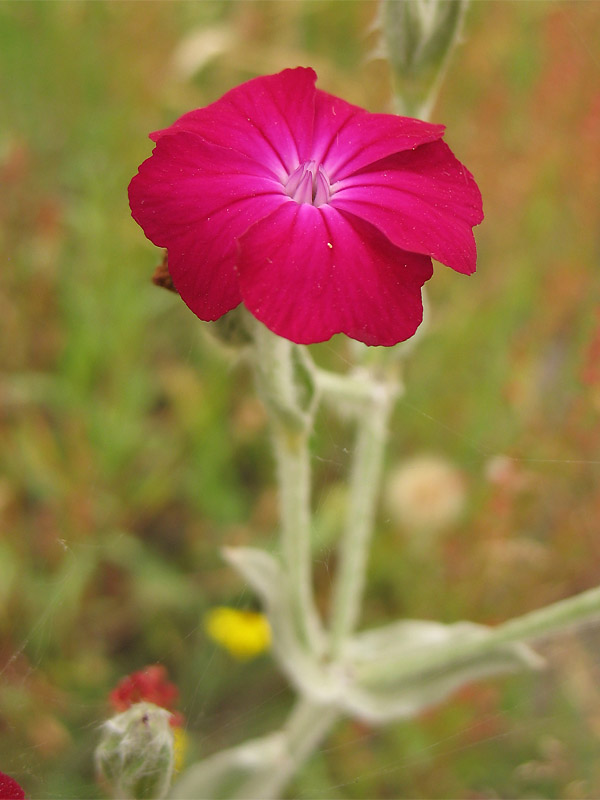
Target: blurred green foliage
131,450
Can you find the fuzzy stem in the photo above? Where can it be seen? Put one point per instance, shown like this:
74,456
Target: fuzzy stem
363,491
290,428
293,469
306,727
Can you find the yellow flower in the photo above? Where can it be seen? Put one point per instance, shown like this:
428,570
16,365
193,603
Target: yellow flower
245,634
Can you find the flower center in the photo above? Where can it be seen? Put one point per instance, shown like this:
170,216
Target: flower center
309,183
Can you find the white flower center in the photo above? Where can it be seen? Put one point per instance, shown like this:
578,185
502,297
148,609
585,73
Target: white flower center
309,183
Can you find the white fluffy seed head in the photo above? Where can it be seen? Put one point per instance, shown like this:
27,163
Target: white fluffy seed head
425,493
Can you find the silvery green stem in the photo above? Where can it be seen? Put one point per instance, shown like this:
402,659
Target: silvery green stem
290,423
559,616
274,369
353,390
362,497
291,453
306,727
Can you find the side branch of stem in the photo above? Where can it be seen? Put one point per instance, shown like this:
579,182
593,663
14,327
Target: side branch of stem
304,730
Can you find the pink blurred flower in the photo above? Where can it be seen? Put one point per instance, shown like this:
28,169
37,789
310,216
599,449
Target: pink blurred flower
316,214
10,789
150,684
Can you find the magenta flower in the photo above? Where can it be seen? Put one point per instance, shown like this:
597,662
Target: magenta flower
10,789
150,684
319,216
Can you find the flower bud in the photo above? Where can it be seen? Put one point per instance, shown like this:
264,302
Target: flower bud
135,756
418,38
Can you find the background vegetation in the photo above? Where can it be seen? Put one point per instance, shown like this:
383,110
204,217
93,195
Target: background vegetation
131,451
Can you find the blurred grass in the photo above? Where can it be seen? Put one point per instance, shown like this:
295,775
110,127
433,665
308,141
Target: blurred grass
131,451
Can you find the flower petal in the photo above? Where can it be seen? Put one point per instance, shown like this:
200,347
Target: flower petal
269,119
195,198
10,789
348,138
425,201
309,272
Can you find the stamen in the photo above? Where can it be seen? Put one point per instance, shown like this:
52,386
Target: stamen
294,180
309,183
321,188
304,192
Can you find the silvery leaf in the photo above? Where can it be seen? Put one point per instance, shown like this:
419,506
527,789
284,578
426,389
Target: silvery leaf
401,669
